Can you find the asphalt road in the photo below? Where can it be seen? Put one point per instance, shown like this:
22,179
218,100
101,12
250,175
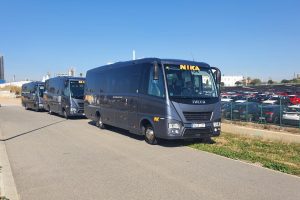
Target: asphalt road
52,158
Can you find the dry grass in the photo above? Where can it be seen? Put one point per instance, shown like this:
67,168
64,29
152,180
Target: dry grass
274,155
13,89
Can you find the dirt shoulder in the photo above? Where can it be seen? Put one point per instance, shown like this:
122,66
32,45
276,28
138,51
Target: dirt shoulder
5,101
269,127
268,134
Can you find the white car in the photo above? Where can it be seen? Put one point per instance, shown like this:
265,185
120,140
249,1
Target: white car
269,102
226,100
291,115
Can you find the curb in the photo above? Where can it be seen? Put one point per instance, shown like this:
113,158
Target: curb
7,184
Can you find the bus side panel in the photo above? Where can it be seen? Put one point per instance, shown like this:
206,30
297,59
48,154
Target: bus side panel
153,107
91,102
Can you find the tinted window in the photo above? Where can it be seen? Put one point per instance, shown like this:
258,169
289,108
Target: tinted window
77,89
156,87
122,80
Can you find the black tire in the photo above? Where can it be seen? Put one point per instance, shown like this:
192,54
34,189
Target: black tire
99,123
65,114
26,107
150,135
36,108
49,110
276,120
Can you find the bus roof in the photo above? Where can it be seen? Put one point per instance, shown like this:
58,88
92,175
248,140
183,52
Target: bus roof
151,60
67,77
34,82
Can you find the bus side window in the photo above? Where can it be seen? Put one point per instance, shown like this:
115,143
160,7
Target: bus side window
156,87
66,91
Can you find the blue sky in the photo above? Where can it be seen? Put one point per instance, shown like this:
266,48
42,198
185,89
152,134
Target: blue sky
252,38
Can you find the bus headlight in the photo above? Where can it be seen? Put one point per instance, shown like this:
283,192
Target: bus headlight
174,128
217,124
73,110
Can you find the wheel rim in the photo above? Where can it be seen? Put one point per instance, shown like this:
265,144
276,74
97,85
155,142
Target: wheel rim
100,123
149,134
65,114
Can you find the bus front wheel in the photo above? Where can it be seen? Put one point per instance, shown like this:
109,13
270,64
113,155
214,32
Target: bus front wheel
66,116
150,135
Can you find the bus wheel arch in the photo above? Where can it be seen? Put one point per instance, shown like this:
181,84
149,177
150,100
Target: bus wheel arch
148,131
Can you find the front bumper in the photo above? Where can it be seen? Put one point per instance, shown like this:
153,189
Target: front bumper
78,113
187,132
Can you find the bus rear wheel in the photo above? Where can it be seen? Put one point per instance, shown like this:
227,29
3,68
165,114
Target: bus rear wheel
150,135
99,122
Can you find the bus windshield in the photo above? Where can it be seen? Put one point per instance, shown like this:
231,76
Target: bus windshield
41,90
77,89
185,81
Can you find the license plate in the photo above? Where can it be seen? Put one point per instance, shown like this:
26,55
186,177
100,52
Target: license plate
202,125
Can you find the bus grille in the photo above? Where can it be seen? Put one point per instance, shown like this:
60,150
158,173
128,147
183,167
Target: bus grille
191,132
197,116
81,104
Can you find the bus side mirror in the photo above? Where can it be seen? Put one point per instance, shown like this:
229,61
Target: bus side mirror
217,74
155,71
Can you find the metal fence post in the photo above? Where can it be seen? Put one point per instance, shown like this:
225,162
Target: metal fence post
261,114
247,112
231,110
280,113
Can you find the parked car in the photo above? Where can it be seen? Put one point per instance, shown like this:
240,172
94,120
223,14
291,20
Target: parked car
225,107
283,100
295,99
291,115
270,113
248,111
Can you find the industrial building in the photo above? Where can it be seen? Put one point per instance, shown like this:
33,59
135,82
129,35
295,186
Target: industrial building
231,80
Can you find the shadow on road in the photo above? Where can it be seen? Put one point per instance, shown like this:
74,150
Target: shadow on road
21,134
162,142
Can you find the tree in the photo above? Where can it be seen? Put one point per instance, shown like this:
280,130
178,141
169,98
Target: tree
255,81
270,82
238,83
295,80
285,81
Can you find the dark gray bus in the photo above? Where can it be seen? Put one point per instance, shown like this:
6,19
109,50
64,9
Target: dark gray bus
32,95
64,95
158,98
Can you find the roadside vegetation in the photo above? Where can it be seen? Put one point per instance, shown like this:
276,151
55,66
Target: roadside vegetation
12,89
278,156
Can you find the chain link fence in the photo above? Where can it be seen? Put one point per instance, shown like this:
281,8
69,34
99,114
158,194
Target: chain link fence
280,114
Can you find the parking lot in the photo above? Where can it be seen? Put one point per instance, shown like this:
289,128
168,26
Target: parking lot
54,158
279,105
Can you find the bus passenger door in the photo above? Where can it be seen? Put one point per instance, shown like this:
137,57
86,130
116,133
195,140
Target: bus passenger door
132,112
